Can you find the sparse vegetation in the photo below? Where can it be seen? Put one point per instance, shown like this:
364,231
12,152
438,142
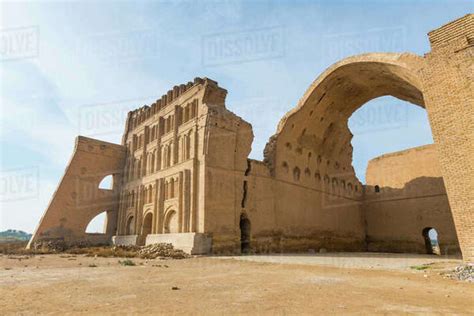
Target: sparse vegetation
13,247
127,262
92,265
119,251
421,267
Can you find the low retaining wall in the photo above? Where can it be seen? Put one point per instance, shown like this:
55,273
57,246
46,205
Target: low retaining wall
192,243
125,240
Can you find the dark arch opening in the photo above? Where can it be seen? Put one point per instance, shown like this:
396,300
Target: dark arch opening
430,236
244,234
147,224
129,228
171,222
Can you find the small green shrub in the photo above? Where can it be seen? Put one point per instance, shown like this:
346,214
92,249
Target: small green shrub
127,262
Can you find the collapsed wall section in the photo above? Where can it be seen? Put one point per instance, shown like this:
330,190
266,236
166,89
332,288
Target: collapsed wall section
227,145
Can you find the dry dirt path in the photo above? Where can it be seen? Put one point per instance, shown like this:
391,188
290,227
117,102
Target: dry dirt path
66,284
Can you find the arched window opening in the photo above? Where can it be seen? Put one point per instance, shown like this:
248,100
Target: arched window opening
98,224
107,183
187,147
296,174
194,109
139,168
150,194
168,156
186,114
152,162
171,194
430,236
377,189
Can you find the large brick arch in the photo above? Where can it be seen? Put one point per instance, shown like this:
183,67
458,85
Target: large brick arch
319,121
441,81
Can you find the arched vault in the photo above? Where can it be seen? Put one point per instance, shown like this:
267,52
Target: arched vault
318,123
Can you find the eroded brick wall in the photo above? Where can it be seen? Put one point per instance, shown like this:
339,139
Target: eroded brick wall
448,90
405,195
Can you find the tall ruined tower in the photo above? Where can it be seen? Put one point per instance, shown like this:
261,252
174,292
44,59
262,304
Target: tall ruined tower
174,148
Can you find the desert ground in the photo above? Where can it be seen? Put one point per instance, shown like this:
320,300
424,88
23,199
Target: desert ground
345,283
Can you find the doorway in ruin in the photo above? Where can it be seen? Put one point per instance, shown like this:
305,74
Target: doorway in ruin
430,236
244,234
147,224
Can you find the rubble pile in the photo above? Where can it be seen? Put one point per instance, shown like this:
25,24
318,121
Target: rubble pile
162,251
130,248
463,272
50,245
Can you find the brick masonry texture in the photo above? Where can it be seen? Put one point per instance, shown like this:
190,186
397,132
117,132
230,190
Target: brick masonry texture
183,169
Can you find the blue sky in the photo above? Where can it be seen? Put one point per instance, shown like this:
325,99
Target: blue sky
77,68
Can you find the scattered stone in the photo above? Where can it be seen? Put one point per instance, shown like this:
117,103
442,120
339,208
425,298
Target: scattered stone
50,246
464,272
163,250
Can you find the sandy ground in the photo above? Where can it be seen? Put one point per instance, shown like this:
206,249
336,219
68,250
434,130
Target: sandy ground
291,284
354,260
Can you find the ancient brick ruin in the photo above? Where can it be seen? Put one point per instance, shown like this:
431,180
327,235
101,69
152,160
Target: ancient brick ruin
182,173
